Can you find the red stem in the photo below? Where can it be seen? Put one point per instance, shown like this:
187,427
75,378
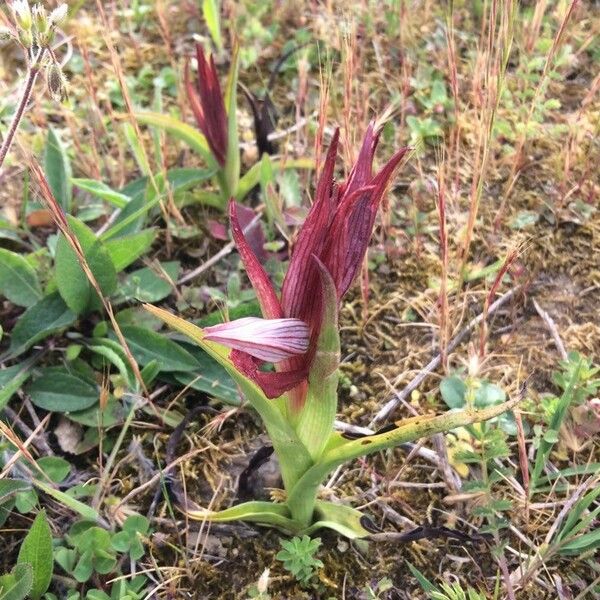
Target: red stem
34,70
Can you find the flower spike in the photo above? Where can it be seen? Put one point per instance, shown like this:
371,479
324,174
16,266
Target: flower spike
206,100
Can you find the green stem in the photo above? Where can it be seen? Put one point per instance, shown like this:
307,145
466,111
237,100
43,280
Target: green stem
113,455
301,500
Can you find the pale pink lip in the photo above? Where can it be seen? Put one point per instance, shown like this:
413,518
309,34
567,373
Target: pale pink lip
270,340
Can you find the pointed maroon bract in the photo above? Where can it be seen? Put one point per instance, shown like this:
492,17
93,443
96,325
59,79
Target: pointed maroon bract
336,233
208,106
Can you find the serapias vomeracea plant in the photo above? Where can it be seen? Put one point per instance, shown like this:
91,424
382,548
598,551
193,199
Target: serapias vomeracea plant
216,137
299,335
217,124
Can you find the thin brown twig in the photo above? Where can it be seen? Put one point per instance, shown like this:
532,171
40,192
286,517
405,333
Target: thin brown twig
390,406
552,328
222,253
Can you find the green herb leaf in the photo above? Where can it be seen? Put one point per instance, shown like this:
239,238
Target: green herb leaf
103,191
18,280
36,550
57,390
150,284
72,282
127,249
147,345
58,170
11,379
45,317
17,584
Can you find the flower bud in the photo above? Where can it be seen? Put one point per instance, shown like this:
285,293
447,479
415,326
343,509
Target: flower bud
41,26
26,37
57,82
263,582
40,18
6,34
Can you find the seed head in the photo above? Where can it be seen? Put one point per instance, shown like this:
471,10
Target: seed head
6,34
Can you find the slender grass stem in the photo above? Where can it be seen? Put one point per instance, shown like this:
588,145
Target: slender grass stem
33,72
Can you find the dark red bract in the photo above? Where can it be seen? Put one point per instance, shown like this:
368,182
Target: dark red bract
208,106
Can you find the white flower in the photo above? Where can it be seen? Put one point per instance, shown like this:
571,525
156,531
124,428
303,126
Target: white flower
59,14
263,582
22,13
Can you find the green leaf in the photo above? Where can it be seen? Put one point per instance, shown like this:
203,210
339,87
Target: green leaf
341,518
582,543
255,511
302,497
252,177
180,130
57,390
114,353
423,581
11,380
212,379
18,280
210,11
318,413
127,249
17,584
488,394
72,282
36,550
56,468
133,216
137,148
10,487
232,160
147,345
209,377
151,284
44,318
103,191
65,558
87,512
453,390
112,414
58,170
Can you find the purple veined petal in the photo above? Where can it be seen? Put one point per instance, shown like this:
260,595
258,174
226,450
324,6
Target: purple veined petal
194,99
270,340
362,171
267,298
349,237
301,277
352,226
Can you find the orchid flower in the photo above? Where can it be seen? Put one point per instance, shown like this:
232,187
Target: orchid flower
299,335
336,231
215,114
208,106
216,138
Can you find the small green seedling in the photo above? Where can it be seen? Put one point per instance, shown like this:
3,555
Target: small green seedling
298,557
